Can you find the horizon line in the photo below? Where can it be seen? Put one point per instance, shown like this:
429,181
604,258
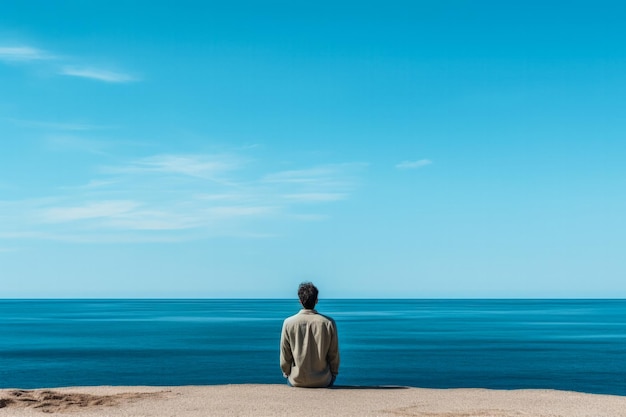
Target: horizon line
322,299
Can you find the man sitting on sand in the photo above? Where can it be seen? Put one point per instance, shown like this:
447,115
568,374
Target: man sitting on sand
309,348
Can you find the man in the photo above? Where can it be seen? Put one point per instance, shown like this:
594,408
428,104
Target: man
309,348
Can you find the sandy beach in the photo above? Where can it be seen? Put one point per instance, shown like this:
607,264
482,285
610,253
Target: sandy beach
279,400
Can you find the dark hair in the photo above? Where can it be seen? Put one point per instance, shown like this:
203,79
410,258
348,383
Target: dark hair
307,292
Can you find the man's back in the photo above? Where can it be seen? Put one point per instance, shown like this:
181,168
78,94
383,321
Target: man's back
309,349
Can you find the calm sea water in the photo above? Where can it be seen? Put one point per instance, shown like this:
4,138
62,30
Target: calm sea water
575,345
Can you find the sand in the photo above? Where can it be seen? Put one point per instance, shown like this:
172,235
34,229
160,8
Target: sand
280,400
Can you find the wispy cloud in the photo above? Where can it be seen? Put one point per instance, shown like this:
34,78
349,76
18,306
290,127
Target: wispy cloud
88,211
62,64
91,185
97,74
173,197
414,164
199,166
23,54
330,176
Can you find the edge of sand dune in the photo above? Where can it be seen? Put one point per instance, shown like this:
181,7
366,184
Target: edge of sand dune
281,400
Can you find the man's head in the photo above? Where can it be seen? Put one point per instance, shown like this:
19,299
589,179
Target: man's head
307,292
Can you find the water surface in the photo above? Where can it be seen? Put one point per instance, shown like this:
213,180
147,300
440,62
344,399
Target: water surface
575,345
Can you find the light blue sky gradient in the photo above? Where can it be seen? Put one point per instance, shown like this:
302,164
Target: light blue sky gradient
380,149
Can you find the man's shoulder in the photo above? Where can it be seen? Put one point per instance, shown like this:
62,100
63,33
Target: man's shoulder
291,319
326,318
308,316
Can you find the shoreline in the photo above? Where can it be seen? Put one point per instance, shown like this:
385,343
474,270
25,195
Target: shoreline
281,400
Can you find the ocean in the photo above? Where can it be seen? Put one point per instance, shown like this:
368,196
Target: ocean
577,345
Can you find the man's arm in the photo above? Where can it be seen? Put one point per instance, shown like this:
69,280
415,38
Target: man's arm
333,351
286,357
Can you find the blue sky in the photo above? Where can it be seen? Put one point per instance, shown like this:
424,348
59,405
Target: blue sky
380,149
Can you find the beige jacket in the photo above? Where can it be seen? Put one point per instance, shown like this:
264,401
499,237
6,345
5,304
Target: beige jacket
309,349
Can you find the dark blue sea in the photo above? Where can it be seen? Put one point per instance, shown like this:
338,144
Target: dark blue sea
577,345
